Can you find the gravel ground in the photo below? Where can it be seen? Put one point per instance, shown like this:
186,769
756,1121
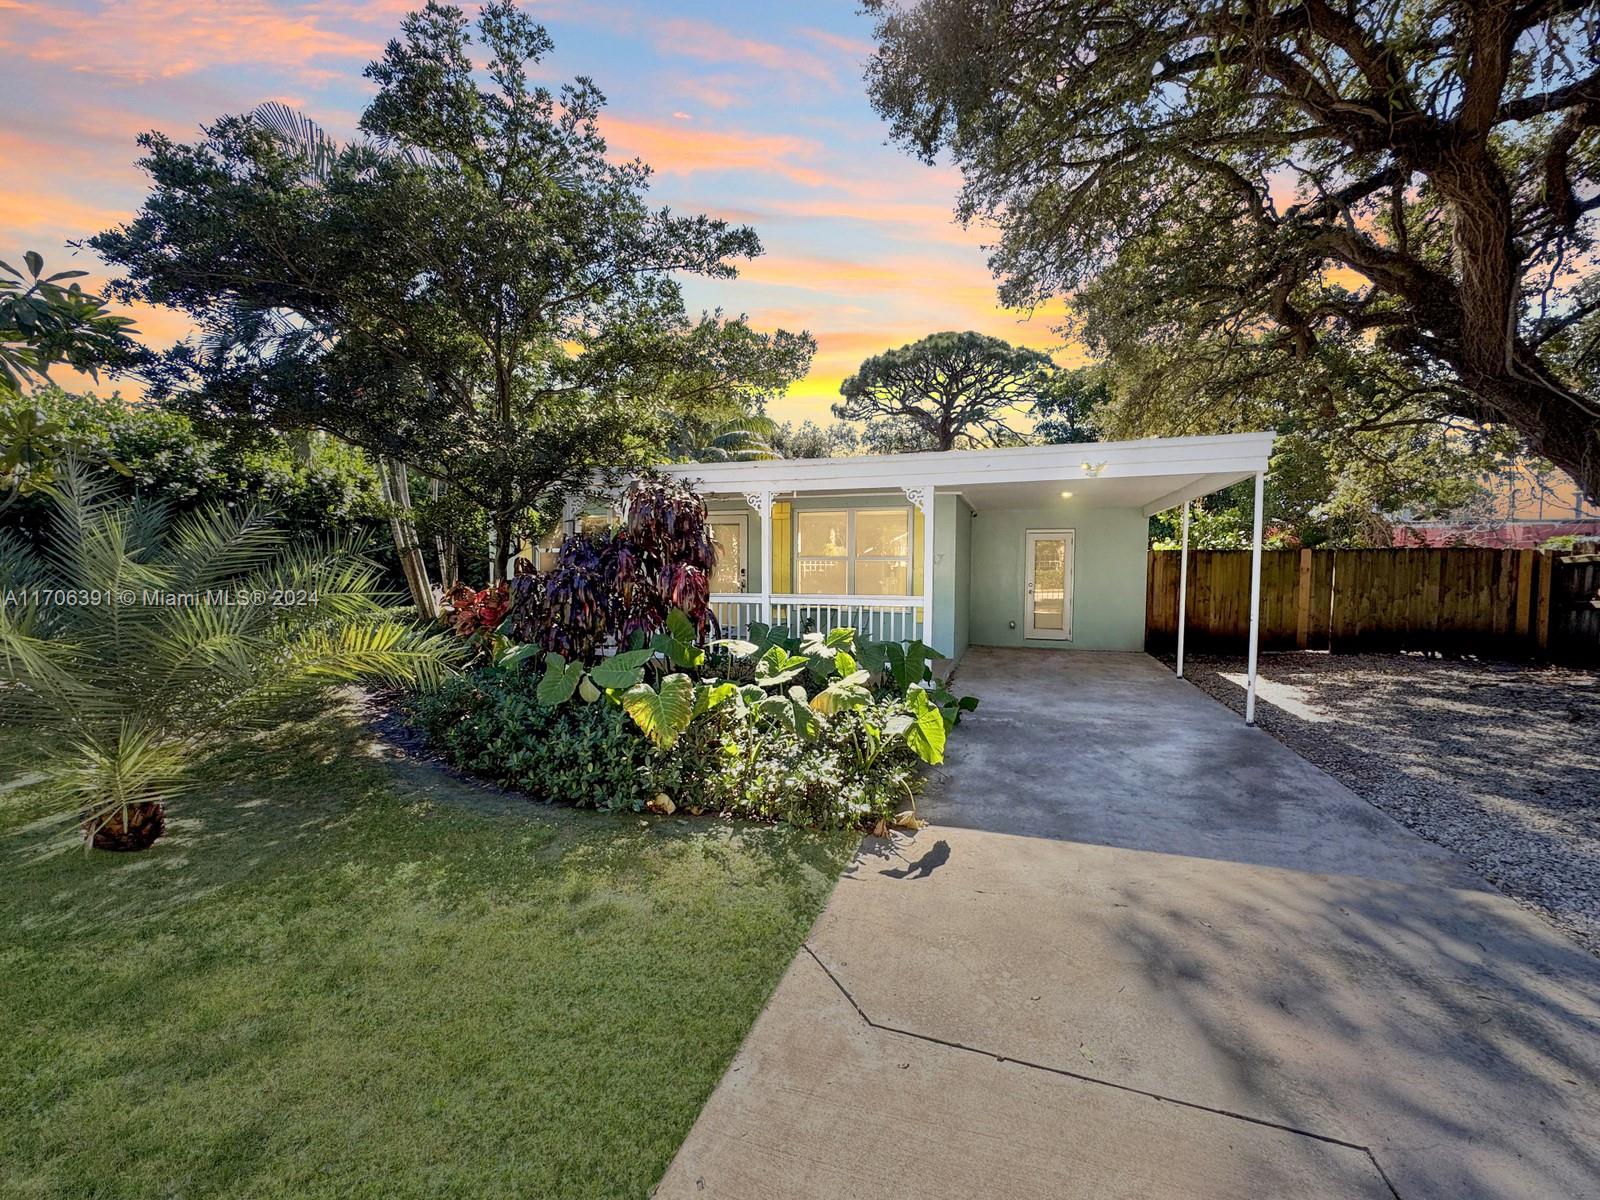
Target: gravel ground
1499,762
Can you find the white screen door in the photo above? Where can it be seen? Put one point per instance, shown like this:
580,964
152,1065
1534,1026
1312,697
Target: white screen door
731,536
1048,601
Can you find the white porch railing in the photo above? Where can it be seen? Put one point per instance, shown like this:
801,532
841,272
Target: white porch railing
876,618
735,611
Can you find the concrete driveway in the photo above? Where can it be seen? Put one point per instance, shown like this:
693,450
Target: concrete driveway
1144,951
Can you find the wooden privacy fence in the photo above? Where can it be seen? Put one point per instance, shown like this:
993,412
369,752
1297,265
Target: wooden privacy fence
1509,603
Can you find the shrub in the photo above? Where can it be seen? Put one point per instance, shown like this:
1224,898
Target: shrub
616,586
814,739
160,456
491,724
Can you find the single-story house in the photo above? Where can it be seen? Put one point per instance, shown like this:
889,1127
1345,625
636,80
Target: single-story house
1040,546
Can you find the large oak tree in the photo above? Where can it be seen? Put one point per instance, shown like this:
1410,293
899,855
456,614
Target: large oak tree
475,289
1234,184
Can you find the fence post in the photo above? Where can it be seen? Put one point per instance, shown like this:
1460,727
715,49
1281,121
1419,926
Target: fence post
1547,569
1525,565
1302,615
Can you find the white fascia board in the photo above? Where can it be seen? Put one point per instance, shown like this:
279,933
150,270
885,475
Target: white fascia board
1239,455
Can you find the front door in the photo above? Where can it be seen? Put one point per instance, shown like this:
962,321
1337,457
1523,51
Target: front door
731,536
1048,602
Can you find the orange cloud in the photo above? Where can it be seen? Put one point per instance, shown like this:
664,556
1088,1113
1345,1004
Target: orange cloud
713,43
858,50
676,150
142,40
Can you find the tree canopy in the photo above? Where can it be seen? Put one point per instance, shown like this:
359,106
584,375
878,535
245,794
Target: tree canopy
473,288
1241,184
946,391
45,320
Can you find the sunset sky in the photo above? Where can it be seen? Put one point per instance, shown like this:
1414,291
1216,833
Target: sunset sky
752,110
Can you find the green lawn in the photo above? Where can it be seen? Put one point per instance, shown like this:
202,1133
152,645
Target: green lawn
340,976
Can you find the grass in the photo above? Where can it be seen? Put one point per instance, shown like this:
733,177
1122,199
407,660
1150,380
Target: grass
344,976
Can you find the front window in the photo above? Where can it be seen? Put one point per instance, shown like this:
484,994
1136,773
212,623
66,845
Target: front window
822,553
853,552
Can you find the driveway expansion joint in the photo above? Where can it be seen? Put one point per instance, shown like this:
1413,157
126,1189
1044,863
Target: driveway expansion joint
1090,1079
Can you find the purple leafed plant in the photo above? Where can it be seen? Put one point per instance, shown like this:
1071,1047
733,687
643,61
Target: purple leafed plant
608,587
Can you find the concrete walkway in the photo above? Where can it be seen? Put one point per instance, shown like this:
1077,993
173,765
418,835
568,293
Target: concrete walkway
1144,951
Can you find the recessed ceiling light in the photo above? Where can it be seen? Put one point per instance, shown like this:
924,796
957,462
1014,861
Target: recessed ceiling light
1066,495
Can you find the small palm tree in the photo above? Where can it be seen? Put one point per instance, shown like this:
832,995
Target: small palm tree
131,643
737,439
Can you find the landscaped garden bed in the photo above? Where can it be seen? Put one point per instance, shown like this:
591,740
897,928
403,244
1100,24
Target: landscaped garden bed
601,683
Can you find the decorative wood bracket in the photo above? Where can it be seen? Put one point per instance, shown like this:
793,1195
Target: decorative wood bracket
758,501
922,497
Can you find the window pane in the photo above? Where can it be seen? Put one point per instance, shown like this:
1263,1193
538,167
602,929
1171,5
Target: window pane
883,533
821,534
596,523
727,575
1049,583
882,577
821,577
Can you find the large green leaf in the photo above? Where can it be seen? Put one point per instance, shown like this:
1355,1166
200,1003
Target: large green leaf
793,711
841,637
778,666
664,714
844,693
680,652
680,628
560,680
515,656
622,670
926,733
709,695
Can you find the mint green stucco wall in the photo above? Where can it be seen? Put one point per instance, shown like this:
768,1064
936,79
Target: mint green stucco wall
1108,576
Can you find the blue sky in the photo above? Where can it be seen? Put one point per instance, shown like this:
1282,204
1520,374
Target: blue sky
753,111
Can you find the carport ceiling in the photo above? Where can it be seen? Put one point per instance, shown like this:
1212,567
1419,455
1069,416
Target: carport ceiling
1142,492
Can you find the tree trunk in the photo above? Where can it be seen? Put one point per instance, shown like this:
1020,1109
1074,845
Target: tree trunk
500,529
133,827
397,493
445,546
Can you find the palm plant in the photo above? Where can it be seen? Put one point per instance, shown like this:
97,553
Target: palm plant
735,439
132,642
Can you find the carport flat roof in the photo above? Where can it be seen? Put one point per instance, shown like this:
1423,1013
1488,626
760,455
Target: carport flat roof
1151,474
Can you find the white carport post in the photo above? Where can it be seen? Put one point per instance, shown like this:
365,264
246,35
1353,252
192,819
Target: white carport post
1255,606
1183,585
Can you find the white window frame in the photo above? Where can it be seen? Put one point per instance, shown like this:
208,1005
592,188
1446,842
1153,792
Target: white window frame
850,556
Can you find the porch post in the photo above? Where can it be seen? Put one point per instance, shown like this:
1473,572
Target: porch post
1255,606
762,503
1183,585
922,497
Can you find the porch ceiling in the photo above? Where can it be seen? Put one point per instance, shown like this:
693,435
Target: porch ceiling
1151,474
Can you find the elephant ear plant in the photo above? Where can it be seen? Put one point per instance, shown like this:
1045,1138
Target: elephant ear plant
131,644
665,708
